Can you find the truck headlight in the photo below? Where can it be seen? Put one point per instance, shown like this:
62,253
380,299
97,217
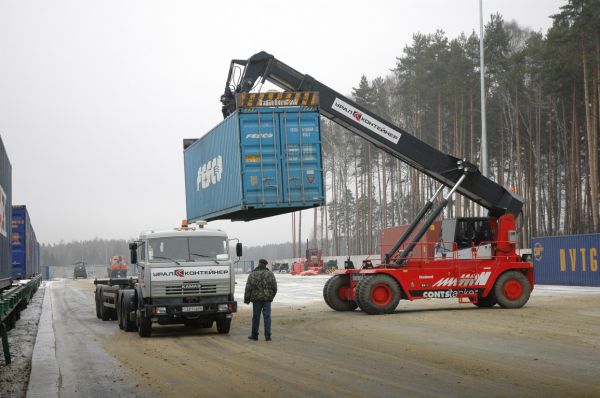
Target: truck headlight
160,310
223,307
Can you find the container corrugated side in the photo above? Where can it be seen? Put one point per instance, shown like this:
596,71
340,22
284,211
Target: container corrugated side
19,236
5,216
25,258
281,158
279,166
212,171
567,260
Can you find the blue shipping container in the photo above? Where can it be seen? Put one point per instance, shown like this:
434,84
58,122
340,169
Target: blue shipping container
256,163
25,259
5,216
567,260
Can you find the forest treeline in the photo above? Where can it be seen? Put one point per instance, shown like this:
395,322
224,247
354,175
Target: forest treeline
98,251
541,93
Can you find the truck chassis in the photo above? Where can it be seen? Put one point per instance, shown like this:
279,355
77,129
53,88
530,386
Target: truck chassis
121,299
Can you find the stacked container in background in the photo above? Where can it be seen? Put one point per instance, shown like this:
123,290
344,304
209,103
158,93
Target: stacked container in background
25,248
5,216
567,260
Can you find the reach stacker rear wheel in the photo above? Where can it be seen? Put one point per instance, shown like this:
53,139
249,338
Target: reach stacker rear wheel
512,289
335,293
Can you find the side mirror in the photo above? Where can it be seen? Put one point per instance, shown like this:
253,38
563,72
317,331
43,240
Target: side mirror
133,251
238,249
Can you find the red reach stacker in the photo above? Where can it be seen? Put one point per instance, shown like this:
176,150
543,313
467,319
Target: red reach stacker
476,259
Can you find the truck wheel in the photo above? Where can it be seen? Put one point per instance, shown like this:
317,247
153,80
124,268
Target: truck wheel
379,294
119,311
512,289
105,312
144,325
127,306
486,302
335,294
223,325
97,300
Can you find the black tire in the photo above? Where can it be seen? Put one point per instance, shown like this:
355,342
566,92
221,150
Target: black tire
223,325
512,289
128,302
379,294
119,311
335,290
486,302
105,312
144,325
97,300
357,290
325,287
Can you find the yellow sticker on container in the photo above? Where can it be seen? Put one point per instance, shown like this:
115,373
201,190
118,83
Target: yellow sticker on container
252,158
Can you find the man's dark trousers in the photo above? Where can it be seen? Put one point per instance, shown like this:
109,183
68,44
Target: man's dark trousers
257,308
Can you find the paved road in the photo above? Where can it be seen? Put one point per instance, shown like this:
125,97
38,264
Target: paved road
85,369
426,349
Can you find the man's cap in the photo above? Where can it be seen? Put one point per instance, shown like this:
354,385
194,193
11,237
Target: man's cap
263,261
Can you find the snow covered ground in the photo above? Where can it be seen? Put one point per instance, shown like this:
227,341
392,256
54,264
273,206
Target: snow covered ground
294,290
291,289
554,290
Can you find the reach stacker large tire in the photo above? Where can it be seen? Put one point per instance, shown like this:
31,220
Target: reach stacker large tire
379,294
357,290
325,287
512,289
336,291
223,325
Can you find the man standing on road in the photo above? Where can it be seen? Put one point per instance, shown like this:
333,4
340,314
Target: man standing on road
261,289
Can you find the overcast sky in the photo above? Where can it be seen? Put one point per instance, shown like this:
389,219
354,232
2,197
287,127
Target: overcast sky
96,97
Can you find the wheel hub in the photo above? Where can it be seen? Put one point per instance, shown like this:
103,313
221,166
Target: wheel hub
513,290
343,292
381,294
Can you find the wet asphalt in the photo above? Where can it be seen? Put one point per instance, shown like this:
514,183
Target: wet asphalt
84,368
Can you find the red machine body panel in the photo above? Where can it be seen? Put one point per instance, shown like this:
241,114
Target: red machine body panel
389,236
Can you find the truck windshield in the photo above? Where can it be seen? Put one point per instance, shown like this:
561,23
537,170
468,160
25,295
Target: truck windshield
186,249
